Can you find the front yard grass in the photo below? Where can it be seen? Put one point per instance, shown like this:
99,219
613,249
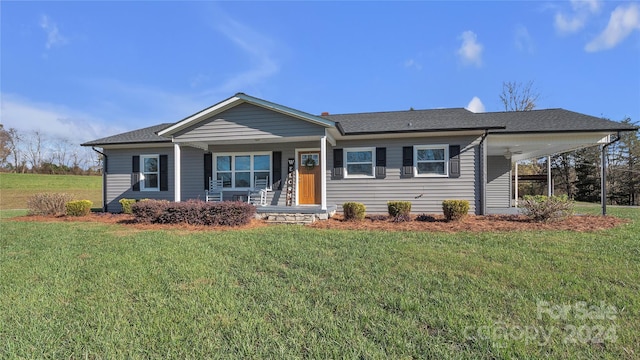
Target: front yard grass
75,290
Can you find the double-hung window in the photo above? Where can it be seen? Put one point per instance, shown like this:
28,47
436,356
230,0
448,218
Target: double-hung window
431,160
150,179
241,170
359,162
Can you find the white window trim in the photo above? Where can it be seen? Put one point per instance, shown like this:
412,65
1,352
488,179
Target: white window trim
142,172
444,147
233,165
358,176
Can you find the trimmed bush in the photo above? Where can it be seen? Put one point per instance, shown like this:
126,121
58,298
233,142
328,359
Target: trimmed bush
126,205
354,211
194,212
425,218
541,208
48,203
78,207
455,209
399,210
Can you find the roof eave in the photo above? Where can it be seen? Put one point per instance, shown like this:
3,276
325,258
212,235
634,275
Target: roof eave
484,128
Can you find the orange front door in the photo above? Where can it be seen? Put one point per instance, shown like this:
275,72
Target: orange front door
309,172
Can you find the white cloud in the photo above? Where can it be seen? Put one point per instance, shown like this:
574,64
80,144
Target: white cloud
582,10
624,20
523,40
54,37
412,64
475,105
54,120
471,50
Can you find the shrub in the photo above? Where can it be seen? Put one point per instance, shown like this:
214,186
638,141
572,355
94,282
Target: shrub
399,210
78,207
48,203
541,208
455,209
354,211
425,218
194,212
126,205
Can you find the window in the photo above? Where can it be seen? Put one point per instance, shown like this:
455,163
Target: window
359,162
150,174
431,160
241,170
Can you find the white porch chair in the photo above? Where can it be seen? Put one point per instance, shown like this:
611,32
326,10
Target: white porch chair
258,195
214,193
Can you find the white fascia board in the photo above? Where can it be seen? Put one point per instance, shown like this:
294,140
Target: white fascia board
411,134
219,107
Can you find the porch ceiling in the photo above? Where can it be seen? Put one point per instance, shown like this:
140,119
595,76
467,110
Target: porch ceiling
529,146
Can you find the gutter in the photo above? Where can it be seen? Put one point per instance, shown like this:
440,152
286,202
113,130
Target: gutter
603,177
483,173
104,178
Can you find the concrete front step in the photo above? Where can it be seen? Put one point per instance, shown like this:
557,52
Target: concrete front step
301,219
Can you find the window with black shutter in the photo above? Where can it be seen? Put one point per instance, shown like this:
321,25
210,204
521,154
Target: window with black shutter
454,161
381,163
338,165
407,161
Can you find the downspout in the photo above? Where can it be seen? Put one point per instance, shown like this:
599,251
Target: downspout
483,173
603,177
104,178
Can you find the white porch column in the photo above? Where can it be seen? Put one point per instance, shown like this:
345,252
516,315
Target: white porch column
323,173
177,196
515,190
549,179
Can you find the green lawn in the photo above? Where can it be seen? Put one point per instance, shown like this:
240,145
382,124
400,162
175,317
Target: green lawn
15,189
76,290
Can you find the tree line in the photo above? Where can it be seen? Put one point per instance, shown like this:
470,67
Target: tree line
40,153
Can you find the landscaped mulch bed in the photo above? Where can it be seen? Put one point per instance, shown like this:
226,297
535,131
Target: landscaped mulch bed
470,223
473,223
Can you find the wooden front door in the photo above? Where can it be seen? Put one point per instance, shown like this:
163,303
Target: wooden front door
309,172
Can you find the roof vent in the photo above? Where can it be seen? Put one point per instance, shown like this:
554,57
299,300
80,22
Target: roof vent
325,113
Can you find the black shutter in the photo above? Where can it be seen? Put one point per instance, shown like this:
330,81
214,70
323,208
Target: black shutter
381,163
208,169
338,171
407,161
454,161
276,168
164,172
135,173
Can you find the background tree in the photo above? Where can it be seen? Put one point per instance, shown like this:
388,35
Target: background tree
5,151
587,172
517,96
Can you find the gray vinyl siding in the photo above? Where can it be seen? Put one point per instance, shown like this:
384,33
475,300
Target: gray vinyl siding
192,176
249,122
425,194
498,182
119,176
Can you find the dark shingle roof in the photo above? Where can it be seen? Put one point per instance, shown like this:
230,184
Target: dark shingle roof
410,121
146,135
550,120
535,121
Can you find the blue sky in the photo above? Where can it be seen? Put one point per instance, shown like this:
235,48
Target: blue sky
91,69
